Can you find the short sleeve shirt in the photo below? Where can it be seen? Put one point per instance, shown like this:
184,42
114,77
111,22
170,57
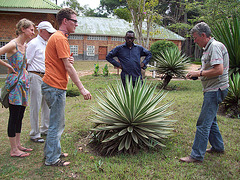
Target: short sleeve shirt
57,48
215,53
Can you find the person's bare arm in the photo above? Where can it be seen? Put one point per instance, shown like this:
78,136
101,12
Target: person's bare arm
8,48
73,75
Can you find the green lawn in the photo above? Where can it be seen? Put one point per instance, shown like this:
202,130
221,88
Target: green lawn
153,164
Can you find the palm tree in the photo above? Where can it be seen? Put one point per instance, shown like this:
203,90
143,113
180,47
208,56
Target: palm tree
129,119
171,63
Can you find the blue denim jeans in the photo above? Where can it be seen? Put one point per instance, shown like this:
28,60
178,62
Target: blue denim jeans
207,127
56,99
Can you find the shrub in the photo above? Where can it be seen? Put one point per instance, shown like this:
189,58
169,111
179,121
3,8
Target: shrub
160,46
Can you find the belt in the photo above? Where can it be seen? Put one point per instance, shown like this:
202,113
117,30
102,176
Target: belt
38,73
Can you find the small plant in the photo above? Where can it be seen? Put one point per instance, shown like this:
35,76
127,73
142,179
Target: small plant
105,70
130,119
232,100
96,66
98,165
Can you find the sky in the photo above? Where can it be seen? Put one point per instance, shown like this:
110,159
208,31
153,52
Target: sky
92,3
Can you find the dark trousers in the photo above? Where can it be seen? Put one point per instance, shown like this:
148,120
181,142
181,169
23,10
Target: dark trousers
16,113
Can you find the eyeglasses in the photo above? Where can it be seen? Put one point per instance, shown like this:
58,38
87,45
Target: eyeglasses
73,20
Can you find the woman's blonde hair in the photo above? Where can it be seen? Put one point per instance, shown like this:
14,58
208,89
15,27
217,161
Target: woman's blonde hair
25,23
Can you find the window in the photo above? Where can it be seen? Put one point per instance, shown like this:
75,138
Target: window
90,50
117,38
75,36
102,38
74,49
4,56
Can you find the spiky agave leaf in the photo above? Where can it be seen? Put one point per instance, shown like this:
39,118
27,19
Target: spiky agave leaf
232,99
131,118
228,32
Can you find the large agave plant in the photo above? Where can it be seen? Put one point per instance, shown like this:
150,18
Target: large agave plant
228,32
171,63
129,119
232,101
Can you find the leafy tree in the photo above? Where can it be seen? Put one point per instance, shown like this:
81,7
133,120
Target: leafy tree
93,12
142,10
73,4
123,13
130,119
214,10
110,5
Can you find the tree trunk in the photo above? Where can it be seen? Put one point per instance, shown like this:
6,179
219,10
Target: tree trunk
166,80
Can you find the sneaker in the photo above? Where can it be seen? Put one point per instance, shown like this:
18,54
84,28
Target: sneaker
38,140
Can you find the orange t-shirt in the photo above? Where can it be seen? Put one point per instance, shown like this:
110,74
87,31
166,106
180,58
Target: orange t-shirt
56,49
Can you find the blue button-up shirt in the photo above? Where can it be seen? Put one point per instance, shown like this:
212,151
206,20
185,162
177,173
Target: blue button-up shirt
129,59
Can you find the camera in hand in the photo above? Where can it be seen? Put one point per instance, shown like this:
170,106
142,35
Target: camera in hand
194,78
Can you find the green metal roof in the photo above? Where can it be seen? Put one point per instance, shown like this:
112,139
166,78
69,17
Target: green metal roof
32,4
118,27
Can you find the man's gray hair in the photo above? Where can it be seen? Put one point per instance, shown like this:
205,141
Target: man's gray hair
200,28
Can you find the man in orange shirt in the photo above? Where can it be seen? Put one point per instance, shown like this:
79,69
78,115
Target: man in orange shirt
58,68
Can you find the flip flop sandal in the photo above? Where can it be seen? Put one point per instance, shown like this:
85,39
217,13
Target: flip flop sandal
58,163
38,140
26,149
22,155
63,155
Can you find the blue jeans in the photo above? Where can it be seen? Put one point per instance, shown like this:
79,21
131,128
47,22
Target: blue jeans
207,127
56,99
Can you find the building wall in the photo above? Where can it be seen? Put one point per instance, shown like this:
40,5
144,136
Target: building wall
8,21
109,44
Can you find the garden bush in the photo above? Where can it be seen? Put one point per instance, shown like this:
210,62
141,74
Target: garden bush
159,46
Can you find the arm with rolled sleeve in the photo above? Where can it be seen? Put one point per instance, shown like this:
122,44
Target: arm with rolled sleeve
148,55
110,57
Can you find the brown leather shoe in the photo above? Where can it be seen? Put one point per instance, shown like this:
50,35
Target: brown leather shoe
189,159
214,151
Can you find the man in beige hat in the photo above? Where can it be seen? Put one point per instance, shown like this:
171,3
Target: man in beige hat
35,54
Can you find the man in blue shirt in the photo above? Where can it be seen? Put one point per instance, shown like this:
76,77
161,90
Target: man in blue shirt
129,55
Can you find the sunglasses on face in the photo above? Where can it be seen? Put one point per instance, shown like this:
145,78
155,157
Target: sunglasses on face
73,20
